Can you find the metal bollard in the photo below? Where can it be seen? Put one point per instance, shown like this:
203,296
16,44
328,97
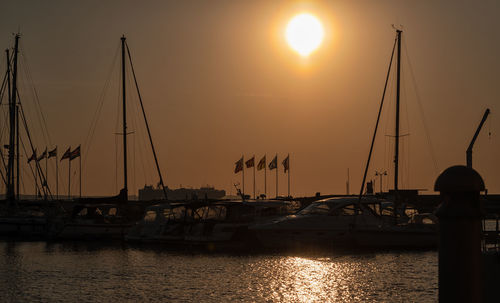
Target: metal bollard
460,259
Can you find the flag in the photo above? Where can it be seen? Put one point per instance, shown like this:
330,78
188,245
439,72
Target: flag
43,155
66,154
75,154
286,163
262,163
33,157
53,153
251,162
239,166
274,163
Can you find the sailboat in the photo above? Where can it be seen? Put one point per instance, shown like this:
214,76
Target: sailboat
403,231
109,218
365,221
21,219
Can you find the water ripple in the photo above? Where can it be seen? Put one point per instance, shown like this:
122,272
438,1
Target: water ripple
78,272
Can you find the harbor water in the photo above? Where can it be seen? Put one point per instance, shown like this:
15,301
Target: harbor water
80,272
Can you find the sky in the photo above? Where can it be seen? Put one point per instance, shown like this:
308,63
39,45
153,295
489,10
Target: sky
219,81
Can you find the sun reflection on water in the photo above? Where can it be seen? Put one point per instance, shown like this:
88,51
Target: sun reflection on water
49,273
312,280
341,279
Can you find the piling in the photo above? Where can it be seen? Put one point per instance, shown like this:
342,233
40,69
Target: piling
460,258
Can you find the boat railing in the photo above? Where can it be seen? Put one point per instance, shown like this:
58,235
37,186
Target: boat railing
491,233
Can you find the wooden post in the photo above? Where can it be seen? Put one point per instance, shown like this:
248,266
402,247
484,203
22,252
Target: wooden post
460,257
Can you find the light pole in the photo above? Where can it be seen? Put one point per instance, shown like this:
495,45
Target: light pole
381,174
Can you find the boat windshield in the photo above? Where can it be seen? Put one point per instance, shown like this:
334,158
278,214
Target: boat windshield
347,210
217,212
175,213
150,216
316,209
331,209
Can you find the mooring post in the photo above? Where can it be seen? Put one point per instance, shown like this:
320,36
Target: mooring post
460,259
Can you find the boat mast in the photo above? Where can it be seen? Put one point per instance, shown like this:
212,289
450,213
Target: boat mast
18,192
398,86
12,123
9,97
377,123
125,188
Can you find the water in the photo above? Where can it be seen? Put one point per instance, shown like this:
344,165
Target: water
77,272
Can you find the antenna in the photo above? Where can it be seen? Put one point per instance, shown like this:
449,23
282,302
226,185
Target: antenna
397,27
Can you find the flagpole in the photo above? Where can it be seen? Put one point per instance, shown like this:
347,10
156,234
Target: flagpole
57,176
69,178
289,175
254,177
36,179
265,177
80,176
243,177
46,168
276,175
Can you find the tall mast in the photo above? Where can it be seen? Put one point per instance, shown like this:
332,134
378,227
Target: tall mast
12,123
18,175
9,98
398,86
125,187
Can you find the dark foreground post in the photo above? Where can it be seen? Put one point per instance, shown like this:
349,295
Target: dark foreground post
460,265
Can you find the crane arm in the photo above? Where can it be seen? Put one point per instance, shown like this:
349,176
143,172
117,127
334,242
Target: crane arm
471,145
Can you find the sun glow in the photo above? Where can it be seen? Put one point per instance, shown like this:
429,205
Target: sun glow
304,33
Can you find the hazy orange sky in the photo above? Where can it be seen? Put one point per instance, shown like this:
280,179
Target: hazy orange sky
219,81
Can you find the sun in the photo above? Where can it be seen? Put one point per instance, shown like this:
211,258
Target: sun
304,33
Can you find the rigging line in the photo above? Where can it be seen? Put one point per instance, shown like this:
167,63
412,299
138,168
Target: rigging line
45,188
116,164
134,179
45,130
1,147
23,186
2,89
489,128
33,151
134,125
390,92
376,124
4,82
420,107
31,82
146,122
4,125
1,173
118,146
139,137
93,124
406,144
141,141
29,96
29,165
3,164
